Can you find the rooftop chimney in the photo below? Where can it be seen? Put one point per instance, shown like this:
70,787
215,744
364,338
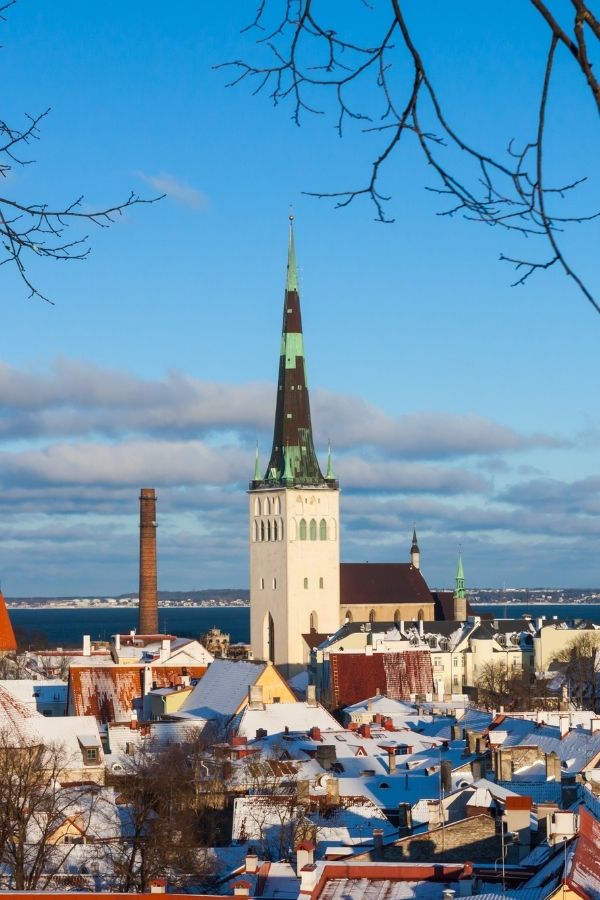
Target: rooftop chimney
148,612
158,886
305,856
311,695
87,645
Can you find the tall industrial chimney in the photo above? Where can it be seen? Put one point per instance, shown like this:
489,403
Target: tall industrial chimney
148,615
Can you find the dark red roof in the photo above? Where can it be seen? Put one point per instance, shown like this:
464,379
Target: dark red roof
313,639
444,605
397,675
375,583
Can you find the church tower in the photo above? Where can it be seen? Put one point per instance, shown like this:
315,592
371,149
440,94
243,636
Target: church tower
293,515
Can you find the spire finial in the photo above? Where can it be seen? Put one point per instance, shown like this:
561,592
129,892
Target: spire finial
330,474
291,283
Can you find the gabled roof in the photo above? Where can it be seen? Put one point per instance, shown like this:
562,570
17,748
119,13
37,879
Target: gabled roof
377,583
222,690
110,692
397,675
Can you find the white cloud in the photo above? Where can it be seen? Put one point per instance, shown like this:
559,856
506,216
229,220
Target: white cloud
177,190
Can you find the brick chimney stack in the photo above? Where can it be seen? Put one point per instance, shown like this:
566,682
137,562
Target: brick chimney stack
148,610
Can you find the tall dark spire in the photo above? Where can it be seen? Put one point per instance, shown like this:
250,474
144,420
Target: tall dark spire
293,458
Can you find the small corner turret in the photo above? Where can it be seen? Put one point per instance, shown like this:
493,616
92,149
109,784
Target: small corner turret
460,594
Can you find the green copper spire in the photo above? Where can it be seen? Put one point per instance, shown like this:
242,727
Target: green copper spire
330,474
257,472
293,460
291,283
459,590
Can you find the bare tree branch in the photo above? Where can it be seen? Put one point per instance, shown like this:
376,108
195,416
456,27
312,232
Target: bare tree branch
310,59
33,230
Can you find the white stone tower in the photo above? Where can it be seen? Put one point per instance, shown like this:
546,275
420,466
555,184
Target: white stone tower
293,515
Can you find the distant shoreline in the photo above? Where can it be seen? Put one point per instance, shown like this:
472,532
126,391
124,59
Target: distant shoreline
114,606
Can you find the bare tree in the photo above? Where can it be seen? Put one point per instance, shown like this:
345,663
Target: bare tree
169,820
514,690
37,230
33,807
383,84
579,661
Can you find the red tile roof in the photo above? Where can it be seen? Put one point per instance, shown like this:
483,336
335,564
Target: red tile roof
397,675
8,643
584,876
375,583
109,693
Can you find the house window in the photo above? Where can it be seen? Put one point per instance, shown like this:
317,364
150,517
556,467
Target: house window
91,755
322,530
313,529
372,616
437,660
302,529
455,663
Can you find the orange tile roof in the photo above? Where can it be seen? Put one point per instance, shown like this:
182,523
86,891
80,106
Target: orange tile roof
110,693
8,643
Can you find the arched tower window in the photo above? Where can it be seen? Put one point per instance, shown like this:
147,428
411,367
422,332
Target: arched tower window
420,615
397,617
255,531
256,506
267,507
372,616
321,583
274,584
302,530
322,530
349,617
275,530
268,530
280,530
276,506
313,529
270,638
306,584
314,622
262,529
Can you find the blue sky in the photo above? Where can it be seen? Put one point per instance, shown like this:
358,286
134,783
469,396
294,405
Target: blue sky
451,399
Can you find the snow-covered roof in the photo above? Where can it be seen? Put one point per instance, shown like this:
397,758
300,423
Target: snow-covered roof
384,705
32,692
261,818
575,749
222,689
276,717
